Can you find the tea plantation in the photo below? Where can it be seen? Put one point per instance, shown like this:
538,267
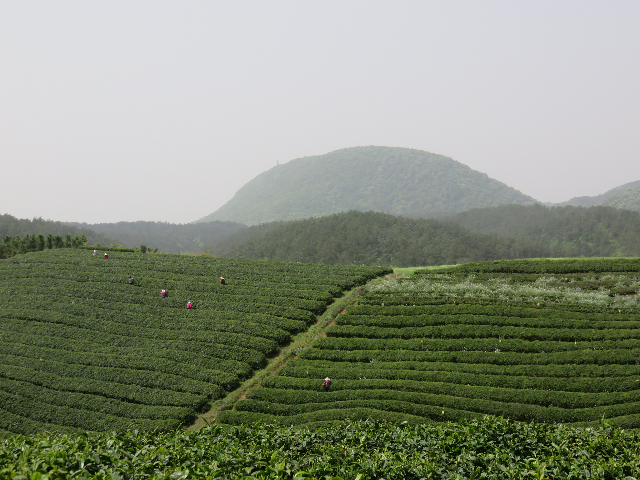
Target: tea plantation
488,448
549,341
81,348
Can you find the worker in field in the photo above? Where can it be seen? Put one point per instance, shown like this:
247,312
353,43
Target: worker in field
130,280
95,252
189,305
326,384
106,255
163,293
222,282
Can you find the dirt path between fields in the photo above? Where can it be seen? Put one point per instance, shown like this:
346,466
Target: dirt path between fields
299,342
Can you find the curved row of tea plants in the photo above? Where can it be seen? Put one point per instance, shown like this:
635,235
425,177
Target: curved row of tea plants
486,448
82,348
532,347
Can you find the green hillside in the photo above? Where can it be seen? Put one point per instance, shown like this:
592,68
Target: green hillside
628,199
82,349
371,238
602,199
561,231
504,232
400,181
553,341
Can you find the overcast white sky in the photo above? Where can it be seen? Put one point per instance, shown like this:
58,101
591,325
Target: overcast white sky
156,110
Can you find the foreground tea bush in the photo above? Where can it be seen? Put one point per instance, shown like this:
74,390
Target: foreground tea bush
81,348
485,448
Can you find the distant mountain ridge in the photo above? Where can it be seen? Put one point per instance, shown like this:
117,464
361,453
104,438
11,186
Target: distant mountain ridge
625,196
399,181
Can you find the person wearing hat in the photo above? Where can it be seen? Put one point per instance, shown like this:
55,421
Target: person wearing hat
326,384
163,293
106,255
222,281
189,305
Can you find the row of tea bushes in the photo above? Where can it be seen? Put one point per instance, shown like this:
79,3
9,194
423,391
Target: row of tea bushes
570,361
365,450
82,348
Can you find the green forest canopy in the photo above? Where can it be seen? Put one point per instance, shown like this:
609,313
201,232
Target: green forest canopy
504,232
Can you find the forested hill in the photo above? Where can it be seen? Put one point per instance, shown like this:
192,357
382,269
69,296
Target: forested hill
371,238
400,181
628,199
625,196
168,237
565,231
19,227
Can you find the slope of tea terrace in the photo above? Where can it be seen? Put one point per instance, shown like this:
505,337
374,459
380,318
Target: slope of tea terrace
550,347
81,348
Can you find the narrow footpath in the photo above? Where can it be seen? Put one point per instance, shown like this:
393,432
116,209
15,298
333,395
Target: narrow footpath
299,342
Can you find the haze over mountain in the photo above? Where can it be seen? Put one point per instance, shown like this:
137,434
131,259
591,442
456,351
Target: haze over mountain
400,181
168,237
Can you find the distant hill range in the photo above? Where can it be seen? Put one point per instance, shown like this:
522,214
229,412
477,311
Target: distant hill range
399,181
567,231
167,237
625,196
503,232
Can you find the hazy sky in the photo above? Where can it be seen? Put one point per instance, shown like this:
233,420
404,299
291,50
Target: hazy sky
155,110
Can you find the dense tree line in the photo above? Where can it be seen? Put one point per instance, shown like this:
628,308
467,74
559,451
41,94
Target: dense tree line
371,238
20,227
167,237
11,246
565,231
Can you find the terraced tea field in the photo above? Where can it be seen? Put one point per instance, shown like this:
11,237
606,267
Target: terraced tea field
82,349
549,341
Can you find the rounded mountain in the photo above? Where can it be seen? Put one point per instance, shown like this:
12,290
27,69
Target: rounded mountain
400,181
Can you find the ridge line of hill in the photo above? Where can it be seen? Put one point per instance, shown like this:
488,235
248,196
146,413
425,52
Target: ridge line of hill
395,180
